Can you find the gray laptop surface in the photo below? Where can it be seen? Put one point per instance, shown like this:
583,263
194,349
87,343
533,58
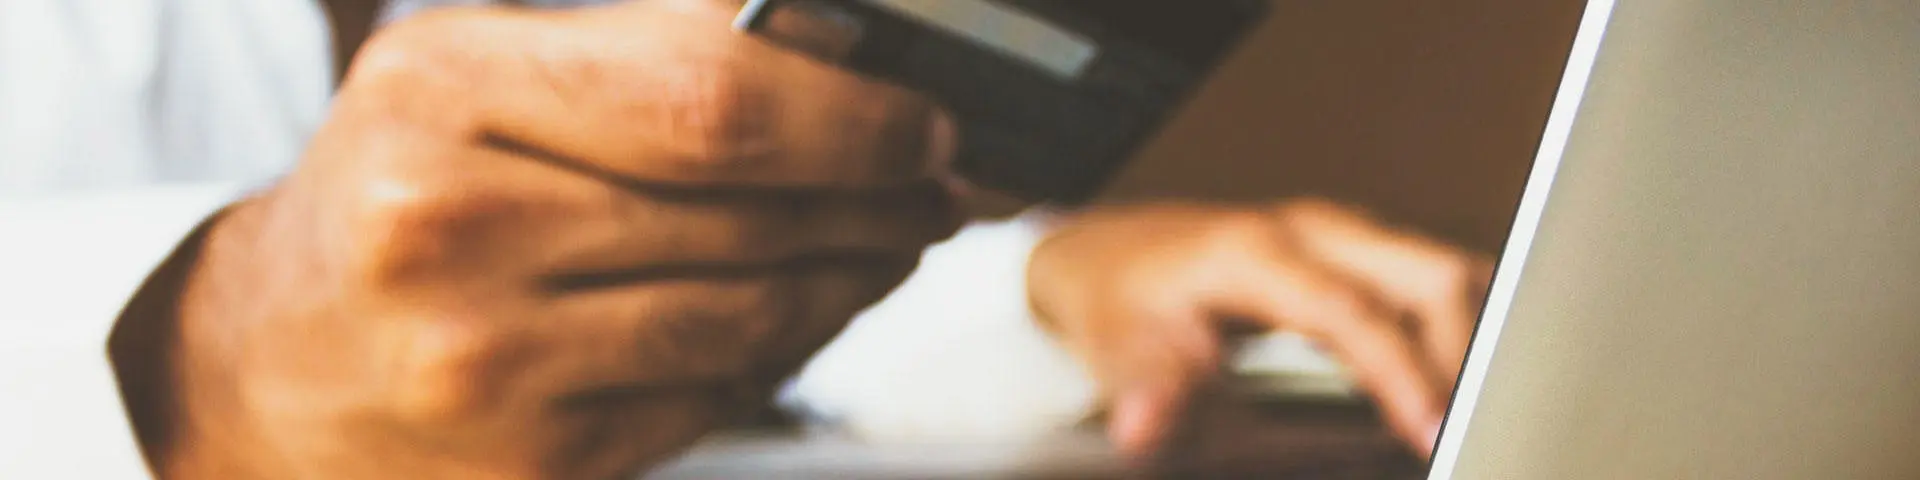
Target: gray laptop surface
1725,282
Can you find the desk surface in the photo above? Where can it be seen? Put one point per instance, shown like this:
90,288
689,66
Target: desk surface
1220,440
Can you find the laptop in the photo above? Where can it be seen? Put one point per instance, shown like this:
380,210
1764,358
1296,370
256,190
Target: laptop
1720,277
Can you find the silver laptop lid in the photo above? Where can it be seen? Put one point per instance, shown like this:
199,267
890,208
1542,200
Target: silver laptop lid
1725,279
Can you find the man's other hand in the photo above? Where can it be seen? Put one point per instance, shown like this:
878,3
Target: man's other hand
547,244
1143,293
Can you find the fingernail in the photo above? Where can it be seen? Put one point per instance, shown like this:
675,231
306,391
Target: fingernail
1130,425
1433,436
942,146
942,141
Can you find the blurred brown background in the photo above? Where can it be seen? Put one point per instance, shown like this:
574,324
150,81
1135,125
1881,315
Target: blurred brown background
1427,112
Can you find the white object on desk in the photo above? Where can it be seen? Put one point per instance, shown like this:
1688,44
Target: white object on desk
1290,366
1076,454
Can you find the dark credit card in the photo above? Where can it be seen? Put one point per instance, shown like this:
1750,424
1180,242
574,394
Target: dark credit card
1052,97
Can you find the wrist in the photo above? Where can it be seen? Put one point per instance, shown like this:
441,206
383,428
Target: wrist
1044,225
222,291
173,400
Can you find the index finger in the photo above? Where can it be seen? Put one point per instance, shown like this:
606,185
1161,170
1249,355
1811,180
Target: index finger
655,92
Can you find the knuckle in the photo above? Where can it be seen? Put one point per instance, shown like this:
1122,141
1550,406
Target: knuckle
403,237
717,338
713,112
1236,231
1441,272
1463,277
763,298
1144,289
446,371
1452,269
777,230
896,129
411,51
760,310
411,73
408,229
1330,307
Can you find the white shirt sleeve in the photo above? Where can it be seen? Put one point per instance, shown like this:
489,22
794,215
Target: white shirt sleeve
68,264
953,354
